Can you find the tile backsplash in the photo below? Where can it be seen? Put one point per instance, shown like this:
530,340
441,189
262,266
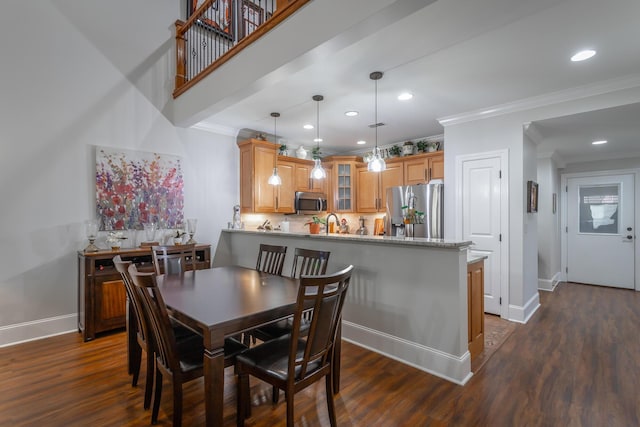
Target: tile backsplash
297,222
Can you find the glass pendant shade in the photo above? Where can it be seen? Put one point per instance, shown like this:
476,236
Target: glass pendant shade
377,163
275,179
318,171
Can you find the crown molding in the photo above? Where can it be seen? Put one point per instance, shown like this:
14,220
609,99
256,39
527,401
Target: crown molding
580,92
217,129
553,156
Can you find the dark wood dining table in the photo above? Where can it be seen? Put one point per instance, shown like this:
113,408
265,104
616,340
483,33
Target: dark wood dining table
222,302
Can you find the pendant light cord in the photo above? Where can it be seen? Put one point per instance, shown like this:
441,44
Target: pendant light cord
376,115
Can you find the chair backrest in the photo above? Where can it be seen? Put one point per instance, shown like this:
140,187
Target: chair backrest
309,262
271,259
326,294
153,306
123,268
174,259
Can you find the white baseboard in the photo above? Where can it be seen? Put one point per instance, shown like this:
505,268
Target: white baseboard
522,314
37,329
549,285
438,363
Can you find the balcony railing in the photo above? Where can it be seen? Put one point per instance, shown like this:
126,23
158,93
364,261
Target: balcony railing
217,30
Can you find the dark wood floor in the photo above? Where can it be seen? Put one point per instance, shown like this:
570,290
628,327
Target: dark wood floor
575,363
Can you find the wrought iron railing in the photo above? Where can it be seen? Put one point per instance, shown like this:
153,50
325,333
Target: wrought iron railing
216,30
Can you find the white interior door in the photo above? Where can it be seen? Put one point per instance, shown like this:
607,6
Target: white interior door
481,221
601,230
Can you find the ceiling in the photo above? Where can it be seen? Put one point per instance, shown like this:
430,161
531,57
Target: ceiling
457,56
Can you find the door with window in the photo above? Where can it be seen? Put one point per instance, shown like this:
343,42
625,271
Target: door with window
601,230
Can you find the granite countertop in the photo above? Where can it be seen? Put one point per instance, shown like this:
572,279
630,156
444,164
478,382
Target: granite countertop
471,258
391,240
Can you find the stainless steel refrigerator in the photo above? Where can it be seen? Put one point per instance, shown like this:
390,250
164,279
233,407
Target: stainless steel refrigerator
416,210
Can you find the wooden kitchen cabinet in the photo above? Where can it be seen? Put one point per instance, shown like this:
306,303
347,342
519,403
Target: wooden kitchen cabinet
422,168
101,293
475,301
371,186
257,159
342,183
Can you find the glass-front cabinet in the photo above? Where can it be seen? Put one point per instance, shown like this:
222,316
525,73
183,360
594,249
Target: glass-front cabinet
343,186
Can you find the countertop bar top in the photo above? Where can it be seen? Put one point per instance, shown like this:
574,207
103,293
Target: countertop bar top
471,258
390,240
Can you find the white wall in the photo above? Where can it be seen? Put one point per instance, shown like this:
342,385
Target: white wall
67,87
548,223
477,133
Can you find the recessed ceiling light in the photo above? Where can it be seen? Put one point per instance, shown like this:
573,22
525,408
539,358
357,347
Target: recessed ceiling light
599,142
317,139
405,96
582,55
308,126
351,113
361,142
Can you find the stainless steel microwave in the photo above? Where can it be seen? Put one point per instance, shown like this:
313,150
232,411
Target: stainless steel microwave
310,203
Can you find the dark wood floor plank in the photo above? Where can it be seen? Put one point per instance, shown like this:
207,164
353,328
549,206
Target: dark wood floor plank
575,363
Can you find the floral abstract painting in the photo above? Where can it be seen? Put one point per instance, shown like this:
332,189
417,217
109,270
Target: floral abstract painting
134,187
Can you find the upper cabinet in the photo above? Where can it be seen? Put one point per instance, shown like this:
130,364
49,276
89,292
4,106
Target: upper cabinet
341,184
257,160
371,186
422,168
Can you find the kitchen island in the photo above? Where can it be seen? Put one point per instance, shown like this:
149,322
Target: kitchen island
407,298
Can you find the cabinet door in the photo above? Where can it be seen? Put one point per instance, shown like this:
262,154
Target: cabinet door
475,301
344,187
265,194
391,177
110,304
436,166
416,171
286,191
303,178
367,190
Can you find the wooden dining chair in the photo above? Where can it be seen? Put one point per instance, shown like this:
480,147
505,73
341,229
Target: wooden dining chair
271,259
180,360
139,335
307,262
175,259
293,362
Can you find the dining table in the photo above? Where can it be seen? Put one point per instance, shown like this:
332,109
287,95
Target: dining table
224,301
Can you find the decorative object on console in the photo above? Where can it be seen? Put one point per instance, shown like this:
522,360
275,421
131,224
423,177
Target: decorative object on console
274,179
135,187
191,230
115,239
318,171
149,233
237,224
377,163
91,231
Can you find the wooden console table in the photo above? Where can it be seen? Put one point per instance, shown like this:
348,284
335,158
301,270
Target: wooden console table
101,293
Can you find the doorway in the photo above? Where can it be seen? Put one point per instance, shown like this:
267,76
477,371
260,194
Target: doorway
599,225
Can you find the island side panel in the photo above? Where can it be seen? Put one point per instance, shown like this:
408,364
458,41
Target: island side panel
406,301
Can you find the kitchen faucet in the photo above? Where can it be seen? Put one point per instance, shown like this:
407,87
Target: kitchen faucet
327,221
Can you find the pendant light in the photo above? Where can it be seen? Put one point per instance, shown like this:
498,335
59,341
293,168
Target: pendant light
275,179
377,163
318,171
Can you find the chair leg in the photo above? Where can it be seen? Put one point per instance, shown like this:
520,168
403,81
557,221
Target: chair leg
289,397
177,402
275,395
330,404
242,399
148,386
156,397
135,358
